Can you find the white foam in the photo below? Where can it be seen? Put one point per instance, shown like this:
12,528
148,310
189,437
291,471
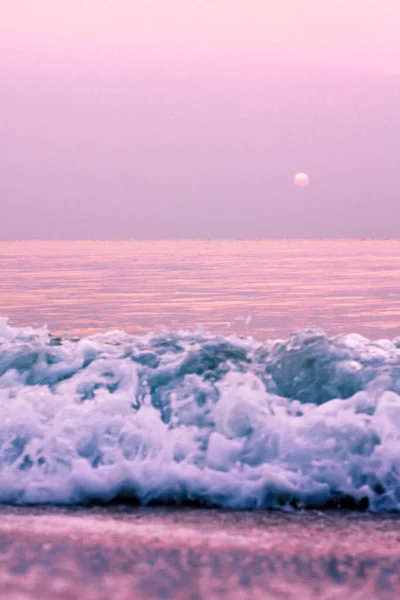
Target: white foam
187,416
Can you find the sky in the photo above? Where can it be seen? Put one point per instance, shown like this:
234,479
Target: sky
189,118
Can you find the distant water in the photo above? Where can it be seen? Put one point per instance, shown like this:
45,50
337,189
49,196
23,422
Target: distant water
260,288
292,420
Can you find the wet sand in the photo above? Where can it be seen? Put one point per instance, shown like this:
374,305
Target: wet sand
125,554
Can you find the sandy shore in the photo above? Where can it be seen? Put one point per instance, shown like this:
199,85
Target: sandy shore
124,554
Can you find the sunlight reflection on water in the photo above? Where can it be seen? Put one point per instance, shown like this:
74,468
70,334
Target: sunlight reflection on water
261,288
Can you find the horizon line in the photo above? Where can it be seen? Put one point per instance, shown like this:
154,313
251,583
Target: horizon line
205,239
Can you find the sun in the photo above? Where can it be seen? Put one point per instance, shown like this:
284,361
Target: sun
301,179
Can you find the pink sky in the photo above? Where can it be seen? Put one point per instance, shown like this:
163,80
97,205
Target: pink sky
364,33
178,118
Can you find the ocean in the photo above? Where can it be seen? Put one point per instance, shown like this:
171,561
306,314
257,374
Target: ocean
264,289
201,385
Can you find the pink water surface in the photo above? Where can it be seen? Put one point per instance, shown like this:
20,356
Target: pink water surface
261,288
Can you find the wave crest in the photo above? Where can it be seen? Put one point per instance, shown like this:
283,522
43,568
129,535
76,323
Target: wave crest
191,417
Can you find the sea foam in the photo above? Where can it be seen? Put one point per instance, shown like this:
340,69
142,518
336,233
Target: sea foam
187,416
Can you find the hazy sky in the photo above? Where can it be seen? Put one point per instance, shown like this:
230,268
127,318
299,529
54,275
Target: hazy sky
189,118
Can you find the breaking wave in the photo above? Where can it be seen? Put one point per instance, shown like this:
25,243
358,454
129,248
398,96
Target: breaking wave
187,416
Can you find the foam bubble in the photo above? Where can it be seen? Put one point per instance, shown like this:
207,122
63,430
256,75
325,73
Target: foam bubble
188,416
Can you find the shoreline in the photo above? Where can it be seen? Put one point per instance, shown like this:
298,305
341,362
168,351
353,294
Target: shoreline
213,528
121,553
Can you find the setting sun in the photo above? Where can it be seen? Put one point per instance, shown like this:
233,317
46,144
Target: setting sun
301,179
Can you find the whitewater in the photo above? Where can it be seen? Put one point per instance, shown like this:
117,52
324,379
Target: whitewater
191,417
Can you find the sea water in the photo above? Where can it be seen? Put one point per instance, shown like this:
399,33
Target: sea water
244,375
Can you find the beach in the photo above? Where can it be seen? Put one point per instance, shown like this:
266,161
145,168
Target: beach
206,388
123,553
199,300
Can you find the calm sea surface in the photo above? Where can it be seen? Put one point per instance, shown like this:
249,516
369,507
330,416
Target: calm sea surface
260,288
